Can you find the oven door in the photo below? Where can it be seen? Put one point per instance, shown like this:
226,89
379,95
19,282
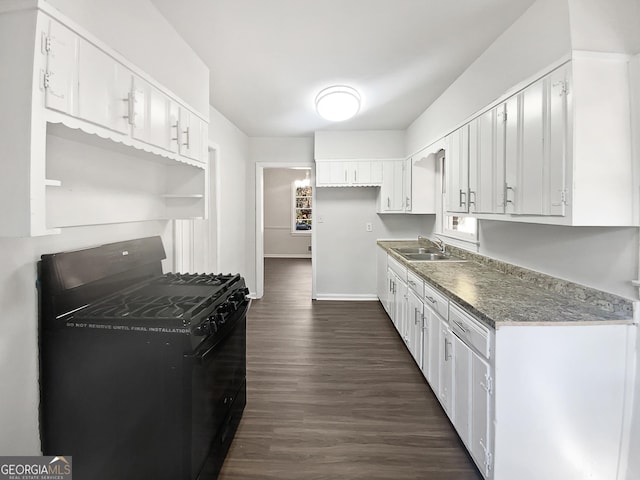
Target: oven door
218,373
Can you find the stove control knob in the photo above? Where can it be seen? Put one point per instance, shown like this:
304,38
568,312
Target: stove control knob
213,325
203,329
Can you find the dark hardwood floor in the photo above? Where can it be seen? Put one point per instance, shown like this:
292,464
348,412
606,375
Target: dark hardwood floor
332,393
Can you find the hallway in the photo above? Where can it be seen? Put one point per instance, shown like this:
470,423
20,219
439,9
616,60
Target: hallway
332,393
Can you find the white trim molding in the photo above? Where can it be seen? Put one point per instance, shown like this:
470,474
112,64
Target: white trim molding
346,297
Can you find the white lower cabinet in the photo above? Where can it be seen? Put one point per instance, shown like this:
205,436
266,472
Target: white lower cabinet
480,445
519,395
430,351
415,320
445,367
461,404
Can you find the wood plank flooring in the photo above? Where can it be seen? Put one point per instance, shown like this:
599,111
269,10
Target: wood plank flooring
332,393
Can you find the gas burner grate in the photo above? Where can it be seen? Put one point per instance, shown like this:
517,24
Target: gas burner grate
207,279
144,307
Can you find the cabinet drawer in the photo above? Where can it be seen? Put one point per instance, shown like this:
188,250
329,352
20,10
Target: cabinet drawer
436,301
415,283
397,268
470,330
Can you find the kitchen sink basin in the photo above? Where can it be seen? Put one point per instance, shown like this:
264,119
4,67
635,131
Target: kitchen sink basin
414,250
423,254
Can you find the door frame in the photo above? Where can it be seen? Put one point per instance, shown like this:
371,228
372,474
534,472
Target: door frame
259,232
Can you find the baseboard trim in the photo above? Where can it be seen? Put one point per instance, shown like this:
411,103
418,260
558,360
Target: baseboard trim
287,255
347,297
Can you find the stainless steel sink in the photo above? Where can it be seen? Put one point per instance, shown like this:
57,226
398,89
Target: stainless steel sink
414,250
426,256
422,254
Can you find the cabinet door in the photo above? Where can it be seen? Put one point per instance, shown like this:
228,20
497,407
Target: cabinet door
481,446
401,308
486,163
61,77
391,194
422,183
407,200
174,126
511,148
461,389
364,173
558,85
457,171
431,349
414,326
530,185
103,89
331,173
382,277
138,107
445,365
158,119
190,132
391,299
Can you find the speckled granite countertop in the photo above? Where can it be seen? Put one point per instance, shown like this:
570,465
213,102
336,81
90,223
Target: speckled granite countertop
500,294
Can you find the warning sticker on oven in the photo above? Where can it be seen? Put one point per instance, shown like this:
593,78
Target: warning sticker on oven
128,328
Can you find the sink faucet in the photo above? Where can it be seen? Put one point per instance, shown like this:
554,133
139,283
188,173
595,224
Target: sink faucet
440,244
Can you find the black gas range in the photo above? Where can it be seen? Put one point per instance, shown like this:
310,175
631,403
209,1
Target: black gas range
142,373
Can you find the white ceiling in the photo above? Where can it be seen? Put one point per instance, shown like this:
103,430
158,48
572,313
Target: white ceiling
269,58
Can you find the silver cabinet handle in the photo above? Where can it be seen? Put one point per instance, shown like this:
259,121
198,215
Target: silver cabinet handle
446,350
425,326
177,137
131,110
471,192
506,193
460,326
432,300
460,198
188,142
388,202
415,316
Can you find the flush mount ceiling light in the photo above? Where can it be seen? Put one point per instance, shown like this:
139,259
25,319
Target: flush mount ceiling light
338,103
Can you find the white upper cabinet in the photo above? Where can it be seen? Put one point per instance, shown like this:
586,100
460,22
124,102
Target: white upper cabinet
486,162
349,173
457,170
535,153
557,152
103,89
60,79
391,198
91,116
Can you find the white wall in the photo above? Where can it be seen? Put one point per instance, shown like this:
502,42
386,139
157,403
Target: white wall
274,151
278,239
345,251
600,257
235,206
19,320
140,34
365,144
538,38
605,25
143,36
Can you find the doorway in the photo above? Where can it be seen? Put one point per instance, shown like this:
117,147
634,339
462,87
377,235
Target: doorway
279,227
